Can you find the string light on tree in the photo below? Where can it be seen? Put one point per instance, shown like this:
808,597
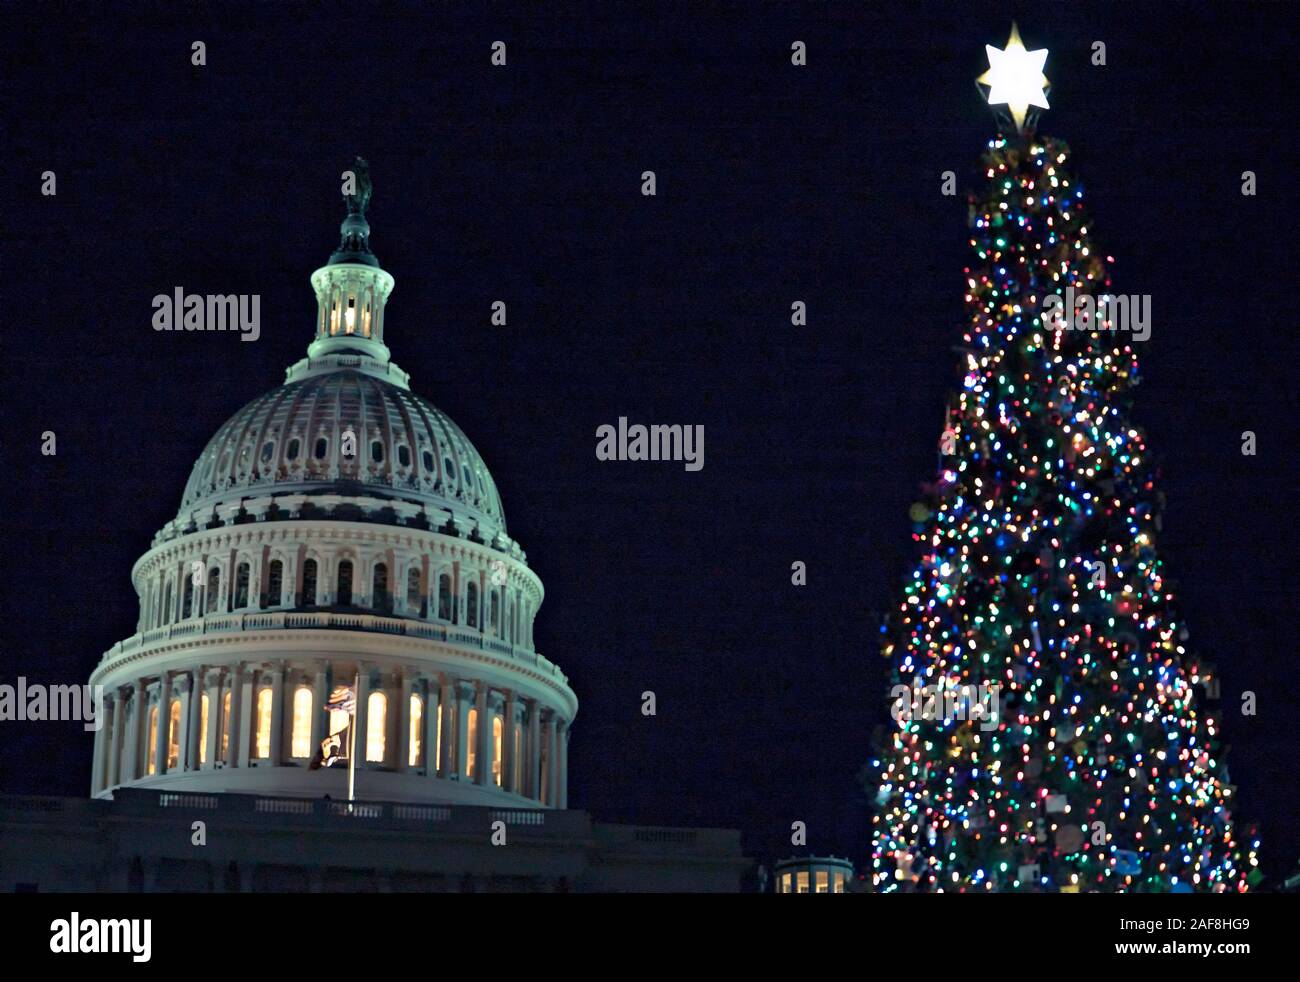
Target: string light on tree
1039,572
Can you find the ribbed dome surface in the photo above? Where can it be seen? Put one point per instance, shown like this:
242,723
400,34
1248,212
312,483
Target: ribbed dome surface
291,440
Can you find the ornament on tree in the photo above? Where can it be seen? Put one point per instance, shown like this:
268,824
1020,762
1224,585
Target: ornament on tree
1127,862
1069,838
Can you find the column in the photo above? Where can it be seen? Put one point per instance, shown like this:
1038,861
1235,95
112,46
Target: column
178,601
193,749
562,768
363,713
115,749
552,759
533,784
212,684
404,722
447,707
432,713
483,752
189,698
427,591
102,742
464,693
319,696
508,763
277,714
164,722
241,707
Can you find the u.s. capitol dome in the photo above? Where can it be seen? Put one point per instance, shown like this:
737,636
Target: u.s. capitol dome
339,530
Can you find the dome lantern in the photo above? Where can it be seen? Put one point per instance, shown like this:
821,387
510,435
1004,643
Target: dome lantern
351,291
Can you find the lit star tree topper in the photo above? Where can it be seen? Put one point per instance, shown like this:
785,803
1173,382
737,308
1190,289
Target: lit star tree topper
1015,78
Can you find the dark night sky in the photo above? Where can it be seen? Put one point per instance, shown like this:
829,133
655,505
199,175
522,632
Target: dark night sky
775,184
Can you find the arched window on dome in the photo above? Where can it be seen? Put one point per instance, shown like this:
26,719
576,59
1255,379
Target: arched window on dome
350,315
498,739
167,605
151,744
322,448
174,735
380,598
444,596
495,623
377,451
427,457
262,750
309,583
225,724
275,584
471,758
204,709
241,587
302,706
414,602
416,714
291,452
404,455
187,596
343,588
214,589
376,726
471,605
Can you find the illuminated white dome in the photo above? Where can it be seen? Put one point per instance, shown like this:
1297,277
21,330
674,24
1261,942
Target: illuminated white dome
338,531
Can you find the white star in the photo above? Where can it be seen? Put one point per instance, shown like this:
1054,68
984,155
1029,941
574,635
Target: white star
1015,77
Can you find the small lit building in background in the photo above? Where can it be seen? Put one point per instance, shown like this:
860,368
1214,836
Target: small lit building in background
814,874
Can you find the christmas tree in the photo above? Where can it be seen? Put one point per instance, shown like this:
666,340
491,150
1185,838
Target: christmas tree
1091,764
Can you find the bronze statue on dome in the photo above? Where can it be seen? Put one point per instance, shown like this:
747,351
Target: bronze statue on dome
359,200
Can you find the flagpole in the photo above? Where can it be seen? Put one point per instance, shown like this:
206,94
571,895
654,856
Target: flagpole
352,742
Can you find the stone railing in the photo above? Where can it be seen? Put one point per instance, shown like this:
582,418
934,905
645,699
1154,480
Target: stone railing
283,620
324,810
